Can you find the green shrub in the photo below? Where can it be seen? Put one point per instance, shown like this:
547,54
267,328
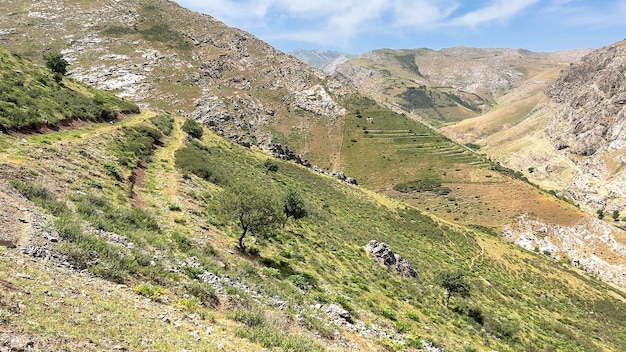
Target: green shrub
402,327
191,271
293,205
249,317
388,313
204,292
174,207
414,341
57,63
304,280
164,122
193,128
182,242
270,165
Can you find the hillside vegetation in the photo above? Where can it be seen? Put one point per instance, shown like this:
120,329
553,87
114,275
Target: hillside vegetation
116,233
119,206
30,98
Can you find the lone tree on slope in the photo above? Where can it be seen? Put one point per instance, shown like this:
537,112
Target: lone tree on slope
253,208
293,205
454,283
57,64
193,129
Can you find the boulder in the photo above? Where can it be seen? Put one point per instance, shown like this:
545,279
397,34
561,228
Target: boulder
383,254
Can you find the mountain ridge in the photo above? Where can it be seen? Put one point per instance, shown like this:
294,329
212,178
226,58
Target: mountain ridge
138,202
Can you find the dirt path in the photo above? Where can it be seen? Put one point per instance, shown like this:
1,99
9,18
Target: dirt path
482,252
162,185
15,149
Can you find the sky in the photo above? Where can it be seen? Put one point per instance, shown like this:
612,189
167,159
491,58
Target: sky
358,26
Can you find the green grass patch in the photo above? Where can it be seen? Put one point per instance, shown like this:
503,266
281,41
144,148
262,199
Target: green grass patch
30,98
164,122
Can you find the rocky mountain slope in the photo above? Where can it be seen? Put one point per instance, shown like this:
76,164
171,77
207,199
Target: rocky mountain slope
113,237
171,59
449,85
166,57
326,60
571,141
590,127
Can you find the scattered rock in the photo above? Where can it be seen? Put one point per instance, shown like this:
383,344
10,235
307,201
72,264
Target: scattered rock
18,344
385,256
338,313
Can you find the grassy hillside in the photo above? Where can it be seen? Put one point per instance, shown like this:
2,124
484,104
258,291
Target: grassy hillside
125,212
402,158
30,98
396,78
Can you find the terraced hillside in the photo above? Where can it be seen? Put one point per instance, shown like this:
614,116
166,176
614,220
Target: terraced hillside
390,153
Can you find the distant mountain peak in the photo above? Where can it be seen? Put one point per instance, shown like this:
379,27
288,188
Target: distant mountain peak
327,60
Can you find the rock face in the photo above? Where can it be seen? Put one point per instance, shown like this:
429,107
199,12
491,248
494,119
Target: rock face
594,97
383,254
581,244
590,128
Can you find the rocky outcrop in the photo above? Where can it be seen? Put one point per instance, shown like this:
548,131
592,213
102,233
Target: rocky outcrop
591,245
284,153
590,127
383,254
594,95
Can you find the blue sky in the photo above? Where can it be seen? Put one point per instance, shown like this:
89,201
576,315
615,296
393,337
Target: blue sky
357,26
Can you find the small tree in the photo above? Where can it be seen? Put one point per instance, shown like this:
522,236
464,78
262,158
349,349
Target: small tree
600,213
270,166
57,63
615,215
454,283
252,207
293,205
193,129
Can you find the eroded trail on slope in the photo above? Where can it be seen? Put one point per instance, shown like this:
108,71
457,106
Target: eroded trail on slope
161,186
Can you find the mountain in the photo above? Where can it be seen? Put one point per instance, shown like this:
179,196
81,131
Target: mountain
169,58
130,214
112,238
326,60
572,138
450,85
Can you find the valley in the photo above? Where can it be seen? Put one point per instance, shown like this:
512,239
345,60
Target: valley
121,233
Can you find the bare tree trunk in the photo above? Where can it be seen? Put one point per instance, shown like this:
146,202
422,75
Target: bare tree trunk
242,247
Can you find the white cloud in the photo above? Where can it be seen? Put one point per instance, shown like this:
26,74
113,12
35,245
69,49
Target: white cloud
600,14
495,11
338,21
